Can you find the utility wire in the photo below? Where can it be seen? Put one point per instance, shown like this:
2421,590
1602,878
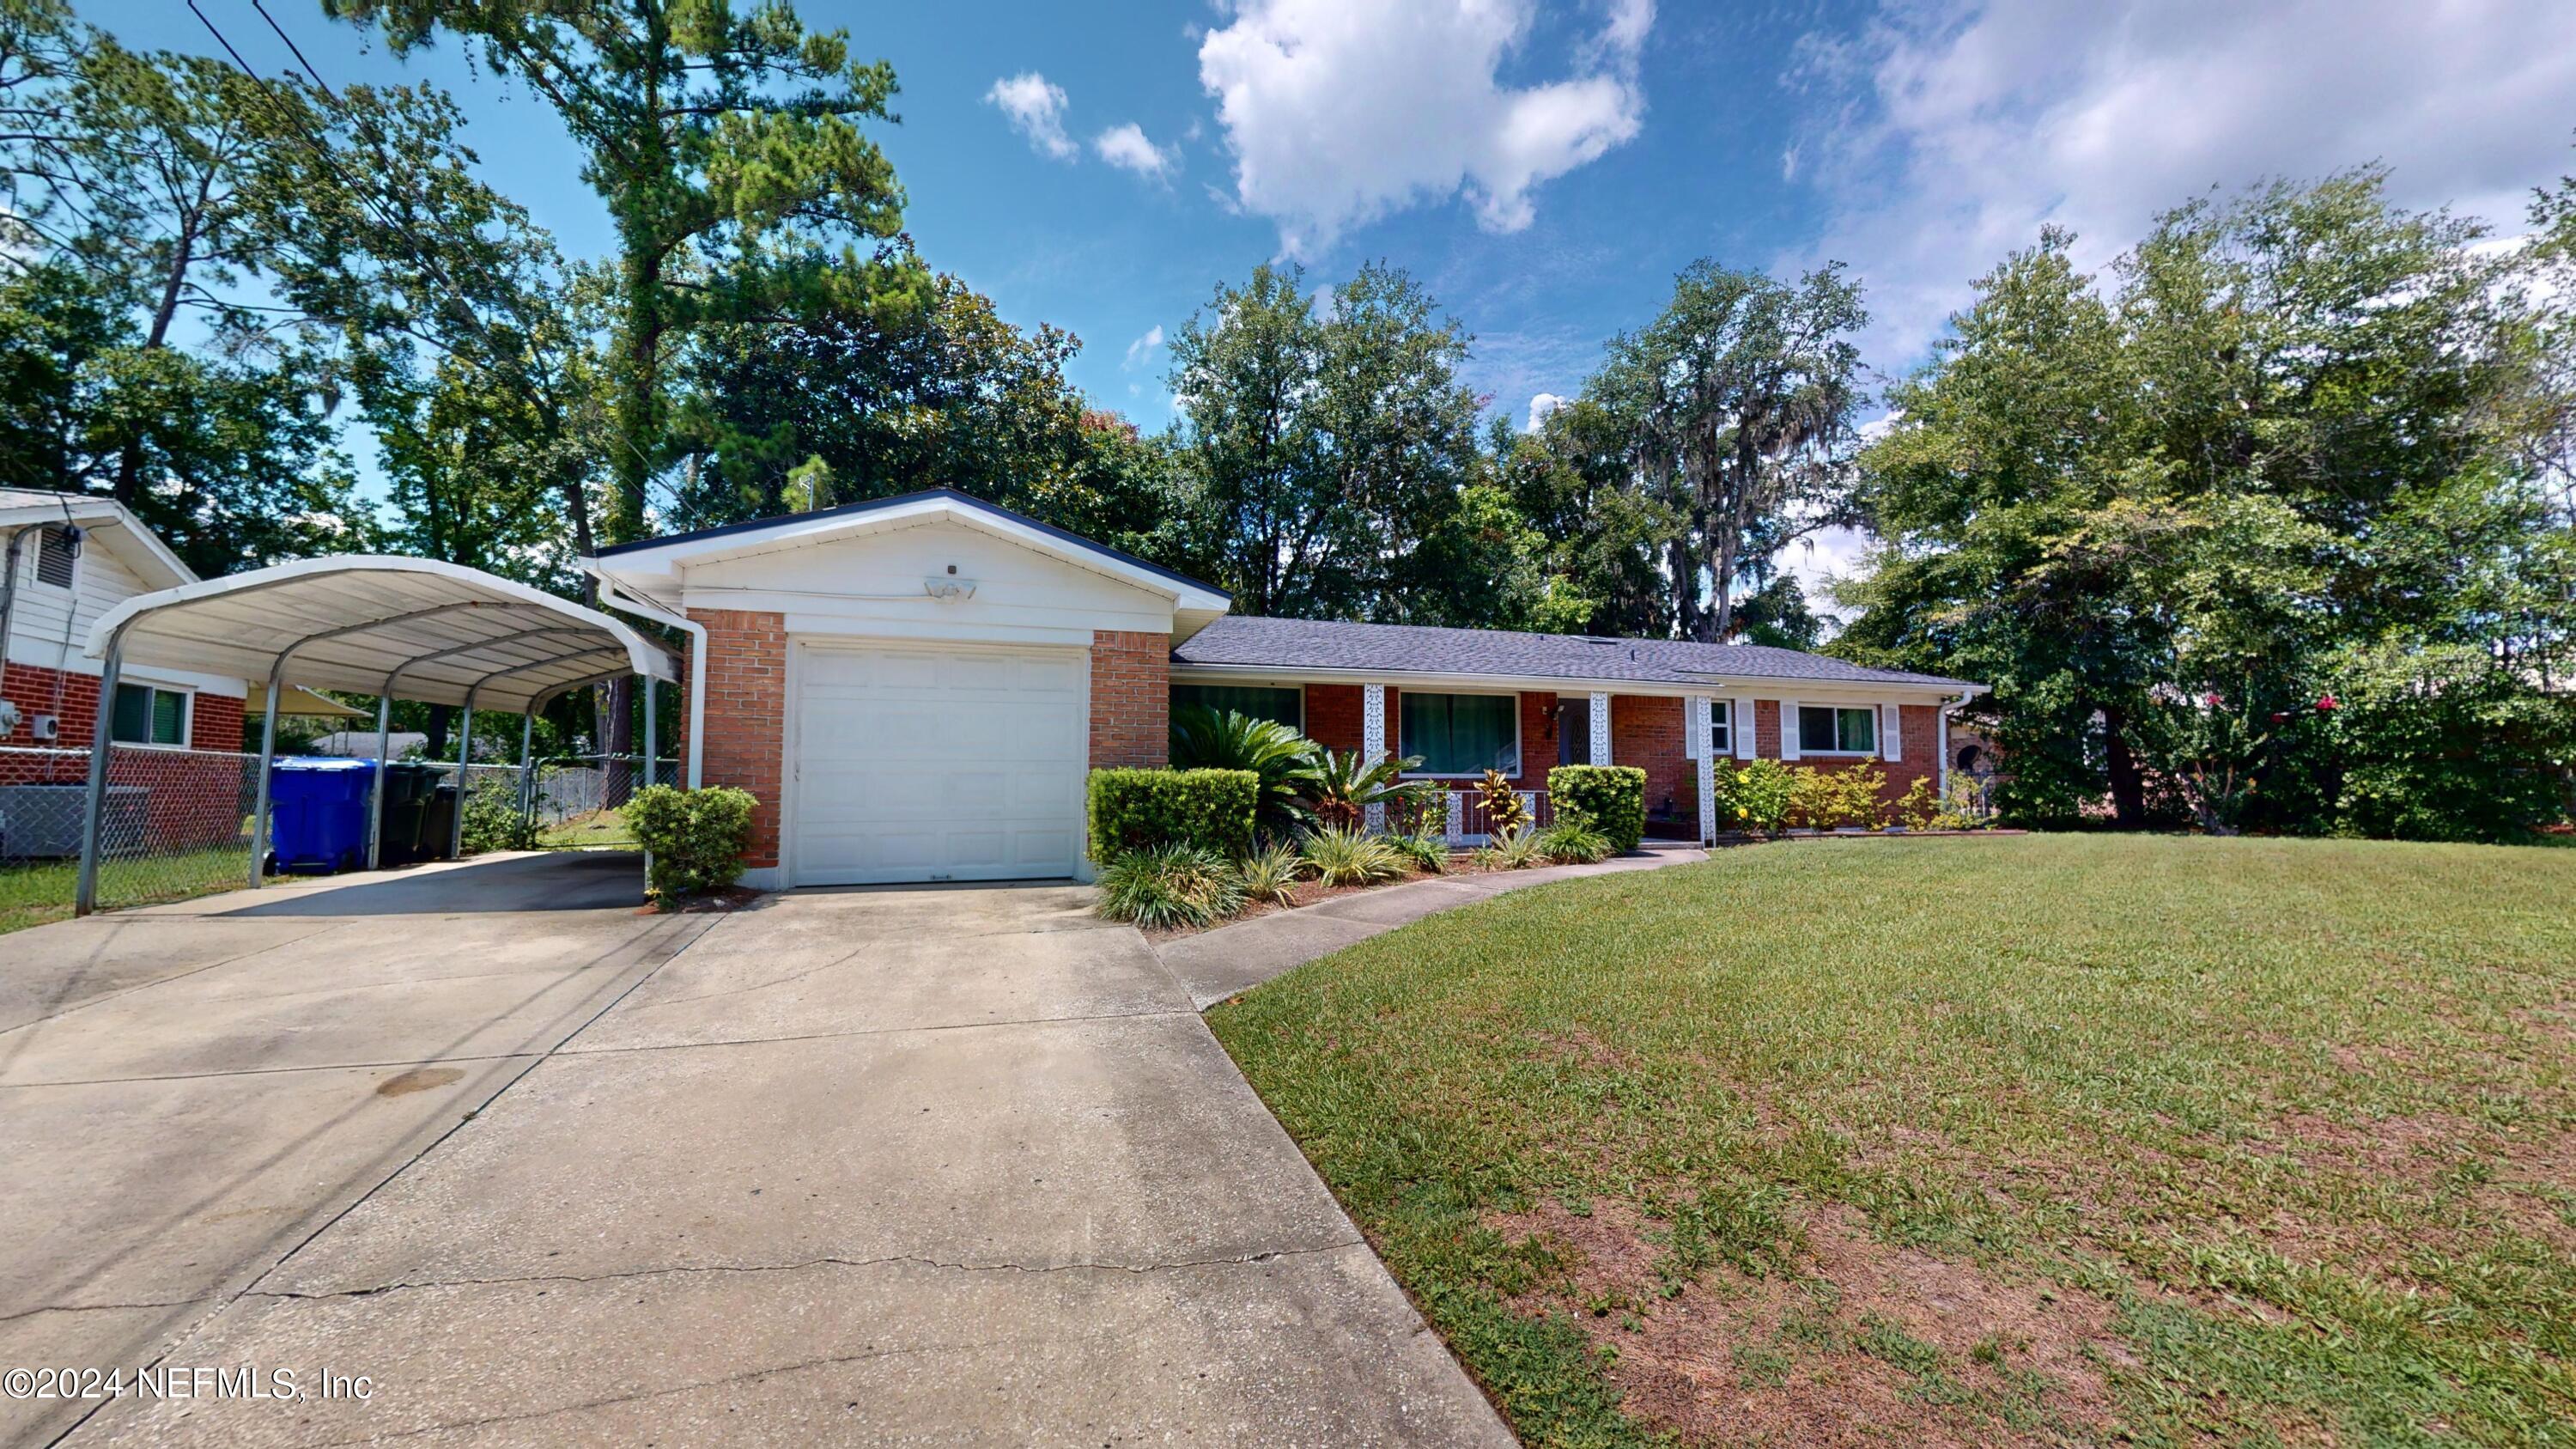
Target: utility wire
322,151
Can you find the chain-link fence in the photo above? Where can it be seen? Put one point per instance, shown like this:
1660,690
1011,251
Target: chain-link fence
573,787
174,823
565,803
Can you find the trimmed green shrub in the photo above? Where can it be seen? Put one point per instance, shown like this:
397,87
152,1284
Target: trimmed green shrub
1140,809
696,838
1170,885
1612,798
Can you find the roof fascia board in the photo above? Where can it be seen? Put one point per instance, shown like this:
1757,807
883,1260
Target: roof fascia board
93,513
1766,685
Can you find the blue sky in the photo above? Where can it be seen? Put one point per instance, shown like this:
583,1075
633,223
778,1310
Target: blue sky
1546,167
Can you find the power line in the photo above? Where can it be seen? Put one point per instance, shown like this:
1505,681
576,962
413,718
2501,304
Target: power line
322,151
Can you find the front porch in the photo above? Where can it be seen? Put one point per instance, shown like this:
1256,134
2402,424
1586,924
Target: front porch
1463,727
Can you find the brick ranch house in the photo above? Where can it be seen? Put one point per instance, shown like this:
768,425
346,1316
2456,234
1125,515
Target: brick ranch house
65,560
915,687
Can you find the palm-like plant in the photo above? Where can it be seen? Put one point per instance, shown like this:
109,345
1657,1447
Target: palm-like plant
1207,739
1348,782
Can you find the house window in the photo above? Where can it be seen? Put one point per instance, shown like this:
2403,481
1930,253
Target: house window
1461,734
1721,729
145,715
1287,706
56,556
1825,730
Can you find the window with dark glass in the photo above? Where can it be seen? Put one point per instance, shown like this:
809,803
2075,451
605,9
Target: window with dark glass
1827,730
1287,706
1721,729
1460,734
148,716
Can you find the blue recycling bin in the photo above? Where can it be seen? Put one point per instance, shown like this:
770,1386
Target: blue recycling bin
317,814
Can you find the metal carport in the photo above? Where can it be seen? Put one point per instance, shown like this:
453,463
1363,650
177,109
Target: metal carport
418,629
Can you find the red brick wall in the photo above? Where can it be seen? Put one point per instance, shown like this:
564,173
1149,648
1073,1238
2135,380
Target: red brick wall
1646,731
1766,729
1333,715
33,689
1131,699
746,740
1538,739
215,723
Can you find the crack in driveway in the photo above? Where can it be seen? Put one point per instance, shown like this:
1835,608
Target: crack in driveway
827,1260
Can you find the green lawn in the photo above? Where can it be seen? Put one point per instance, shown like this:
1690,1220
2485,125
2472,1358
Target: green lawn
33,894
2042,1139
598,829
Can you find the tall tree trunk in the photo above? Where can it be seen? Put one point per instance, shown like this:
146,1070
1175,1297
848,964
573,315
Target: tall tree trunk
129,459
1684,566
1730,541
2128,784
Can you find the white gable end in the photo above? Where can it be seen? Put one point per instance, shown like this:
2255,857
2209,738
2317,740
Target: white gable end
891,582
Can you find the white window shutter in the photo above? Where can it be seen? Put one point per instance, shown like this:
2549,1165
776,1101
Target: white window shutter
1694,730
1891,732
1788,729
1739,727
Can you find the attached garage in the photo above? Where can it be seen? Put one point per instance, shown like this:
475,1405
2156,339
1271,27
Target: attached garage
914,688
933,763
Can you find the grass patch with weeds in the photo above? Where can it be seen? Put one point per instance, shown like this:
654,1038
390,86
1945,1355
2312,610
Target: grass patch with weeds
2038,1139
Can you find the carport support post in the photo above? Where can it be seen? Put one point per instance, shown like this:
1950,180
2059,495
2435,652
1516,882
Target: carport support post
85,893
651,775
527,758
464,757
649,744
376,798
267,752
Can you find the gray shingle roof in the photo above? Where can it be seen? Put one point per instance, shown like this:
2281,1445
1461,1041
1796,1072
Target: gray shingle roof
1291,644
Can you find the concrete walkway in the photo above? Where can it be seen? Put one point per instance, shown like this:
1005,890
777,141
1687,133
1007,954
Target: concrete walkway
951,1165
1214,965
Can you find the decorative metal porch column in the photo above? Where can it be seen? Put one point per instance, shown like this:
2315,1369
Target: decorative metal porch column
1373,740
1702,714
1600,728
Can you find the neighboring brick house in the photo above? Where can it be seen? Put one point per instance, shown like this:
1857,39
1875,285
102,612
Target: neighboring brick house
915,688
66,559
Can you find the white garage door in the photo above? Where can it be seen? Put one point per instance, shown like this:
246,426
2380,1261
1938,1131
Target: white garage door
929,764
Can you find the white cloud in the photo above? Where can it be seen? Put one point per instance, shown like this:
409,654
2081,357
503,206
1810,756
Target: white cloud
1125,147
1541,404
1036,108
1341,111
1943,139
1141,351
1820,558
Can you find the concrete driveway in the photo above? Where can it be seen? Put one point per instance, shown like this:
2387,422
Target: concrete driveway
945,1166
